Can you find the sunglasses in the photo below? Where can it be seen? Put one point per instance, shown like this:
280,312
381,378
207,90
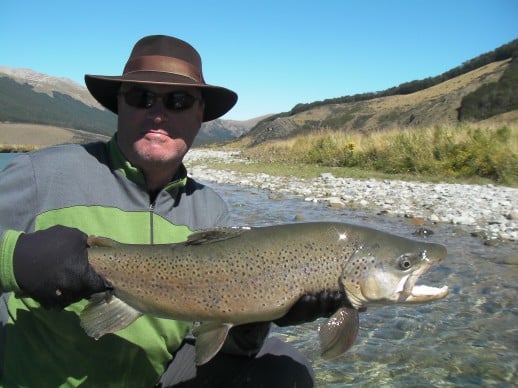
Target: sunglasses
145,99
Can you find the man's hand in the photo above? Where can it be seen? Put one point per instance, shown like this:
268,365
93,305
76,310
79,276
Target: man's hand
312,306
51,266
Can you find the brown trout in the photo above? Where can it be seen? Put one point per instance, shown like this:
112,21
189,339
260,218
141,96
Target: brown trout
225,277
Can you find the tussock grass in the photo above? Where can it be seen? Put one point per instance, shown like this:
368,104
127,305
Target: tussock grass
461,152
7,148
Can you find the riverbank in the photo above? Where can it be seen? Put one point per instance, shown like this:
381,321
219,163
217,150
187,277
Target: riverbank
490,211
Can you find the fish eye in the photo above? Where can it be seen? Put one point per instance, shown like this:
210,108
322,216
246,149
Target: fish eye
405,262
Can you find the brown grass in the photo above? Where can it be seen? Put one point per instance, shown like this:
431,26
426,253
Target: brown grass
31,136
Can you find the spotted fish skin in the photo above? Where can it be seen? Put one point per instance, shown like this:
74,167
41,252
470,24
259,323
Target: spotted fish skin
233,276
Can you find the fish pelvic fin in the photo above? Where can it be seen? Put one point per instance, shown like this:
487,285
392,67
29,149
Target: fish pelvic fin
106,314
338,333
210,337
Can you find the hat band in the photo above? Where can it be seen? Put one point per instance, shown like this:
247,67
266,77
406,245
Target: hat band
164,64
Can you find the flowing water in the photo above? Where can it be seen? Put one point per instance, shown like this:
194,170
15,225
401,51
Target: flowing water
468,339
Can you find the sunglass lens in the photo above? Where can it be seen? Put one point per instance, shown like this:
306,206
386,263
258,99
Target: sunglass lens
179,101
139,98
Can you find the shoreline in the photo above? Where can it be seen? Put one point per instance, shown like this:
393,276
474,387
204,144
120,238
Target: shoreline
490,211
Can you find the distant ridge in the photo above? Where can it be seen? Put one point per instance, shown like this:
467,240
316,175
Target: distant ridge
40,99
43,83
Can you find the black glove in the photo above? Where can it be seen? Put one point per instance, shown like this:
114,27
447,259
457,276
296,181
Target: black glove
246,339
312,306
51,266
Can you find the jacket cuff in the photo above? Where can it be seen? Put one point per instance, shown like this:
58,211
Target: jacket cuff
7,278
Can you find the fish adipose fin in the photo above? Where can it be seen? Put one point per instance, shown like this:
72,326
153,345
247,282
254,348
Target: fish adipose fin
106,314
210,337
338,333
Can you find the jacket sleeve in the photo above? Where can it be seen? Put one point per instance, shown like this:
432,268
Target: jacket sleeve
17,213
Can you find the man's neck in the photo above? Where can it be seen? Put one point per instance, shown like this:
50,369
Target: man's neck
158,179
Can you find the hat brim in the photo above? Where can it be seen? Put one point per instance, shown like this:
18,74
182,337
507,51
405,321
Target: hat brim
104,89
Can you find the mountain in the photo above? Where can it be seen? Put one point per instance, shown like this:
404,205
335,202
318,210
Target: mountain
483,88
30,97
34,98
224,130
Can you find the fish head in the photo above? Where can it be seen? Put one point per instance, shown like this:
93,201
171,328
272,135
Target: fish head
385,268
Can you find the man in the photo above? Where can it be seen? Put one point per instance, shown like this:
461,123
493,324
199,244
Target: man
133,189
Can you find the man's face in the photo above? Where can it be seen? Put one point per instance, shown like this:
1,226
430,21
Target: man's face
157,137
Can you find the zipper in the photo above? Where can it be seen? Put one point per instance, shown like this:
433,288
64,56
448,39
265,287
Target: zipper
151,228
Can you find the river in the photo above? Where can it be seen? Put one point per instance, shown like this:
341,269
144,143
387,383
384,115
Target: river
5,158
470,338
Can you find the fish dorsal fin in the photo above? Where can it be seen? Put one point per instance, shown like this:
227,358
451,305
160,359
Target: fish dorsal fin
106,314
208,236
338,333
210,337
104,242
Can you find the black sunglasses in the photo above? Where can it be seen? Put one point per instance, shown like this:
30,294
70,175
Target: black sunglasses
145,99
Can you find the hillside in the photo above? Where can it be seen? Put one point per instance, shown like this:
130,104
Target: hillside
482,89
30,97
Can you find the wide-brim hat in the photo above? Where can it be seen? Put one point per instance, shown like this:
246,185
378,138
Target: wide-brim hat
163,60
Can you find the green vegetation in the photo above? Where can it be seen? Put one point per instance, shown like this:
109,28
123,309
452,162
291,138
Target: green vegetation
458,153
494,98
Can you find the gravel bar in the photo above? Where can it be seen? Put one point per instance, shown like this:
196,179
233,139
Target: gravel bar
491,211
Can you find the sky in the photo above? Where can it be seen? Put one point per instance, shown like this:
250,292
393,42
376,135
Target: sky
274,54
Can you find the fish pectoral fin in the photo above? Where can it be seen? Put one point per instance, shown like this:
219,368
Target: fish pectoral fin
210,337
208,236
106,314
338,333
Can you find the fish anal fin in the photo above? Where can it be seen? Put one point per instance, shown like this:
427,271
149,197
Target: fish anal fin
210,337
338,333
106,314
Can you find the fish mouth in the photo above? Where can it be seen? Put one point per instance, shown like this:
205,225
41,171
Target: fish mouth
410,292
423,293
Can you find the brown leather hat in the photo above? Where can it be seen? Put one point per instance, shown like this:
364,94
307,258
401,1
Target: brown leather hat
160,59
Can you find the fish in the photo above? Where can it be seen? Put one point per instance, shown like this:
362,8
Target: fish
224,277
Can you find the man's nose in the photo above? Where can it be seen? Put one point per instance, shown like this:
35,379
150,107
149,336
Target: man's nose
158,112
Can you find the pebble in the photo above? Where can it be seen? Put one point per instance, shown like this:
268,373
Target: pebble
492,211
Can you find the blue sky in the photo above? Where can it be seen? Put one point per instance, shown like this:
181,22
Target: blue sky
274,54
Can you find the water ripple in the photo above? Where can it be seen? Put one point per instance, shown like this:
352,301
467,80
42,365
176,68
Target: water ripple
468,339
